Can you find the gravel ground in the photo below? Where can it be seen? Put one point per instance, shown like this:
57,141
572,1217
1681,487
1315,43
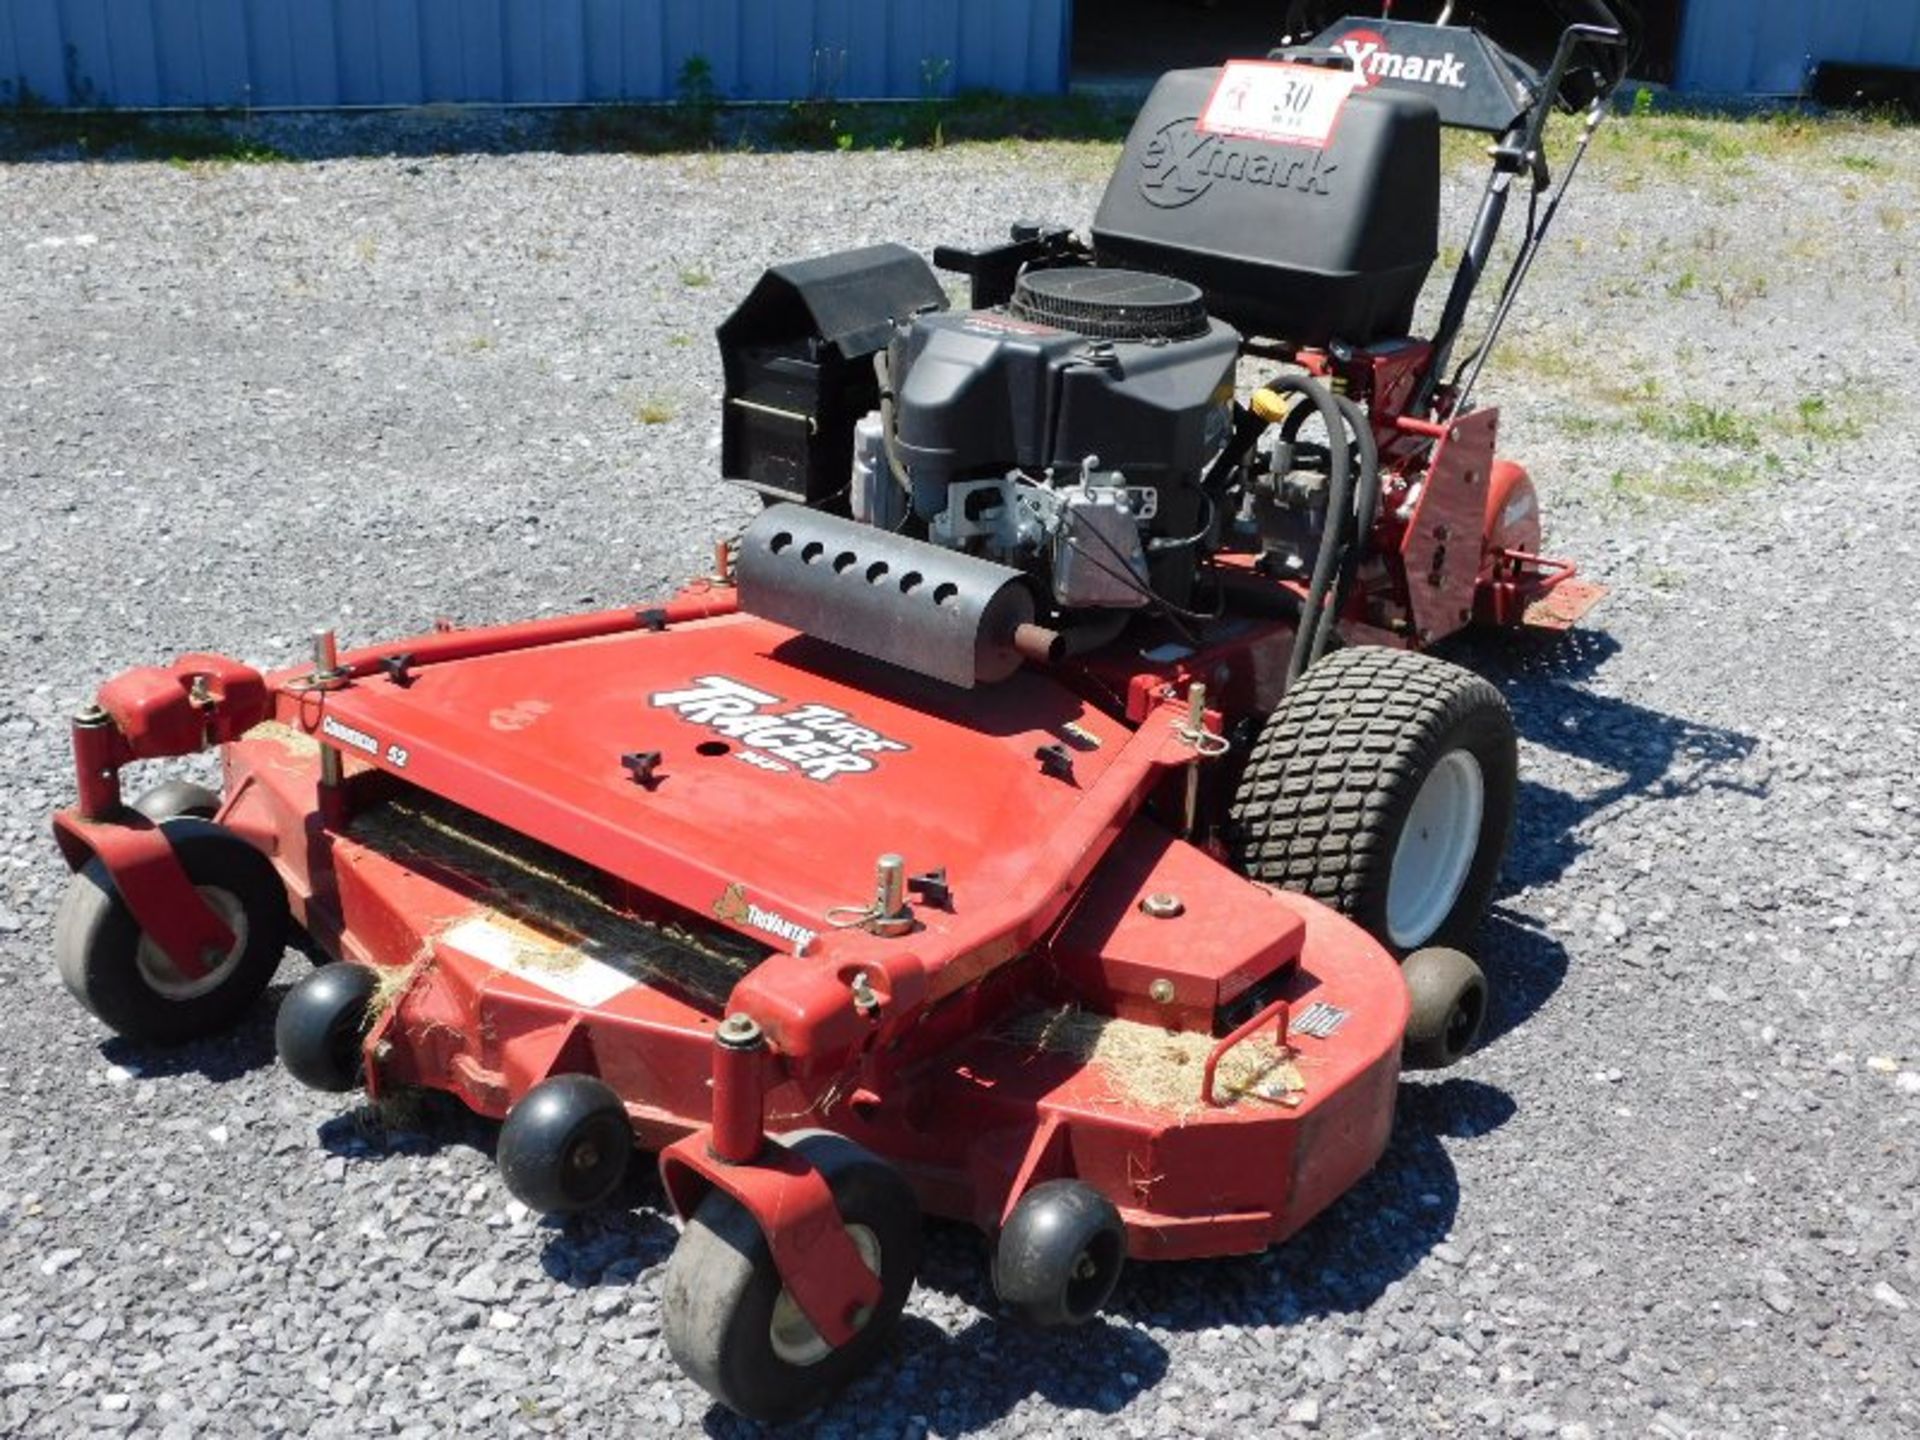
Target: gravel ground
1676,1192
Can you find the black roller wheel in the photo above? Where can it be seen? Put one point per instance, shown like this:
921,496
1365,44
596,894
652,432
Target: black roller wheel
1449,995
1059,1254
732,1325
566,1145
322,1023
171,799
128,981
1384,786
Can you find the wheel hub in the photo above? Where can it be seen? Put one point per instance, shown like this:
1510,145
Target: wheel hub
795,1340
168,981
1436,849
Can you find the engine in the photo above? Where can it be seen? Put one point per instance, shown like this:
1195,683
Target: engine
1067,451
1064,435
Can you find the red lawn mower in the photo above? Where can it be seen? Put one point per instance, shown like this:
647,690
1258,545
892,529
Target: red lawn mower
1046,817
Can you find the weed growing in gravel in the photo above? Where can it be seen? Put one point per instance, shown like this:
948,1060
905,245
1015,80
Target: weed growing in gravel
653,410
695,277
1735,292
1695,424
1818,420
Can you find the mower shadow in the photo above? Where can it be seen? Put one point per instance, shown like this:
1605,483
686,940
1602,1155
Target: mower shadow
1345,1260
220,1058
609,1246
1341,1263
410,1122
963,1383
1632,751
1524,964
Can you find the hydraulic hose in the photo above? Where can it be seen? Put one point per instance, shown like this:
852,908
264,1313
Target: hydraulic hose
1333,536
1366,505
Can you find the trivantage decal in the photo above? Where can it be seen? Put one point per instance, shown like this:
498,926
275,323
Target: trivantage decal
816,740
734,907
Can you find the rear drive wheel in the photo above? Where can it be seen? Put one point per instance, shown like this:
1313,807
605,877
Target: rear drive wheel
129,982
1384,786
731,1323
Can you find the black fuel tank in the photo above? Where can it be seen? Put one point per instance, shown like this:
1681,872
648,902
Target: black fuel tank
1289,241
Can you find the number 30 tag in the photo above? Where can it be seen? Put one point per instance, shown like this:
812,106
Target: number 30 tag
1272,100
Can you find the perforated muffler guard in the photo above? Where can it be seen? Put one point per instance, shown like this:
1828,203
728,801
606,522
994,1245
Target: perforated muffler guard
936,612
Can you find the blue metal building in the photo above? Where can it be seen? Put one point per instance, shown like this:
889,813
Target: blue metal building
326,53
1770,47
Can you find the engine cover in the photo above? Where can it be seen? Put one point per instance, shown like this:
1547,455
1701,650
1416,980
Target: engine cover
1149,391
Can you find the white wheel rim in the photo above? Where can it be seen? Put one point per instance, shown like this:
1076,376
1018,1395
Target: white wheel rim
1436,849
168,981
794,1339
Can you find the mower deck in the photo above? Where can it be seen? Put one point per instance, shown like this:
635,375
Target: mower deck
509,954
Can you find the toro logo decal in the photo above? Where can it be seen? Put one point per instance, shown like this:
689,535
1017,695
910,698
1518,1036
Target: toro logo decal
1182,162
1372,61
817,740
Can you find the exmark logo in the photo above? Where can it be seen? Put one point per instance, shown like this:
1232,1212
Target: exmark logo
817,740
1372,61
1182,162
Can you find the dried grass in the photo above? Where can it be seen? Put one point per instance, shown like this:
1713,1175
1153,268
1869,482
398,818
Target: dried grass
548,903
1160,1068
296,741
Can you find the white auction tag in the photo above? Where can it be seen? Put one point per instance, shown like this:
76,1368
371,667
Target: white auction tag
1272,100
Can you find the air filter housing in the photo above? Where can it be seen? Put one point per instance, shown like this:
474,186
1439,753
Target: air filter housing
1119,305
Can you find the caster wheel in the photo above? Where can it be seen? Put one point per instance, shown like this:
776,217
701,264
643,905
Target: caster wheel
321,1024
566,1145
735,1329
128,981
171,799
1449,1006
1059,1254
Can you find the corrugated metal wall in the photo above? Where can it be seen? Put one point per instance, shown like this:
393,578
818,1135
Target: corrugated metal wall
265,53
1769,47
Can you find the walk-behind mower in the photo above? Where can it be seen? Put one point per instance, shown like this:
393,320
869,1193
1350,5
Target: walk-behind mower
1045,817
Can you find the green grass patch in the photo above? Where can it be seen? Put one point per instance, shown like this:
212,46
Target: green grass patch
28,132
1695,424
1668,143
1694,481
